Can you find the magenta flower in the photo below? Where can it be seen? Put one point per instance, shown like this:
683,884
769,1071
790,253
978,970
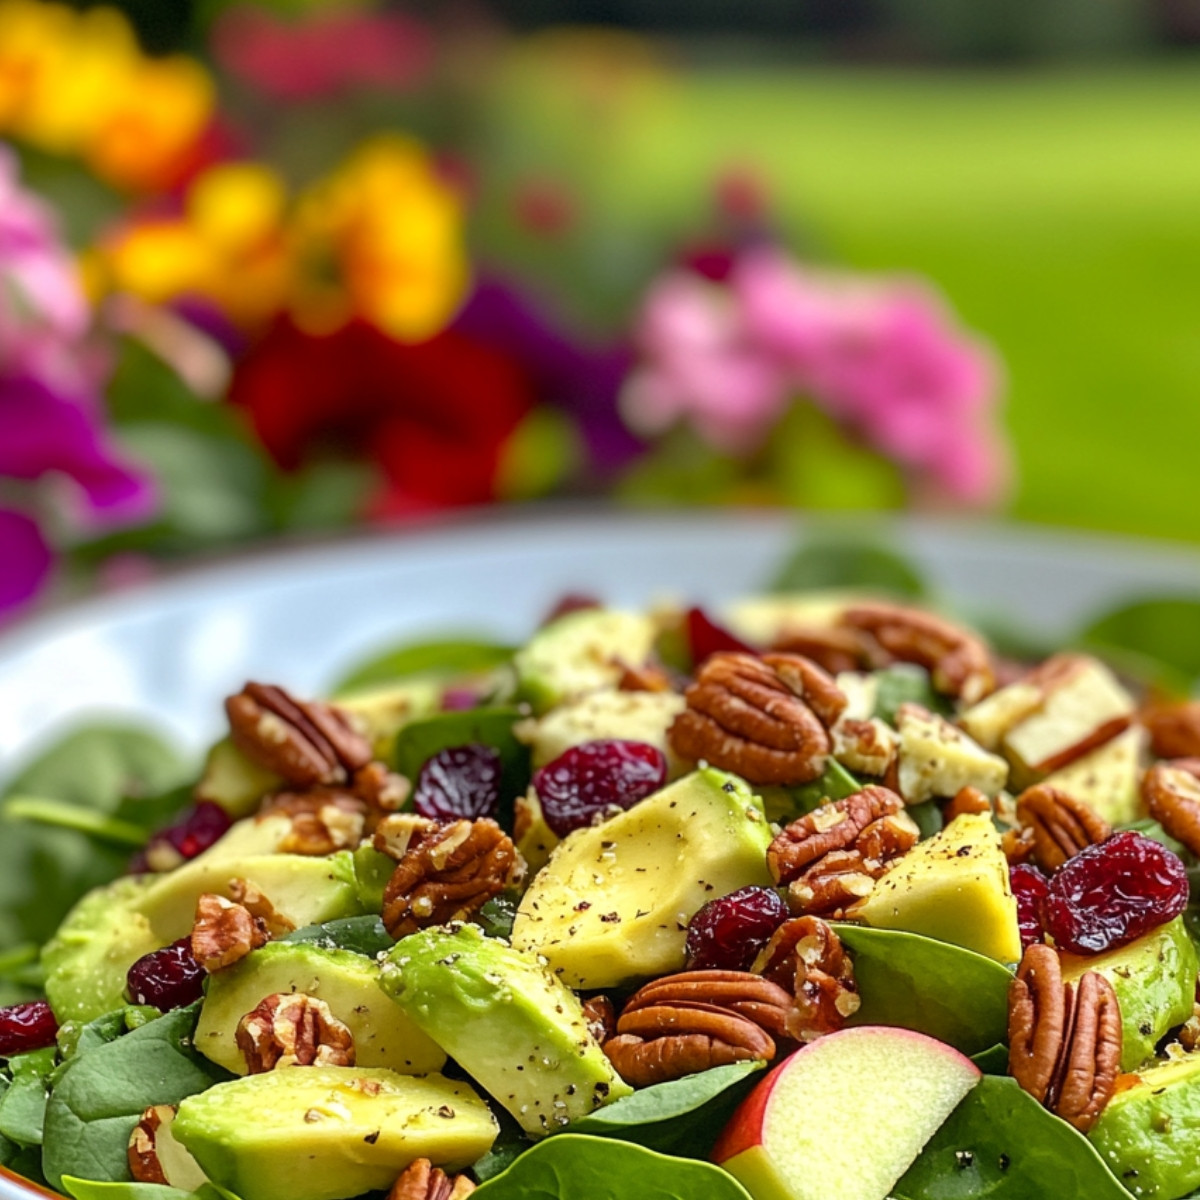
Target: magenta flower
51,416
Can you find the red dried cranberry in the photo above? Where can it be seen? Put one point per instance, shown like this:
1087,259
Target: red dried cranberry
588,780
1109,894
727,933
705,637
29,1026
1029,887
192,834
166,978
460,781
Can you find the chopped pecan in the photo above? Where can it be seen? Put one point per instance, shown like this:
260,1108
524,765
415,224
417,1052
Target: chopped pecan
307,742
144,1163
446,872
966,800
1174,729
1062,825
225,932
601,1018
293,1030
764,718
958,661
1172,796
324,820
421,1180
1064,1040
833,649
806,958
867,746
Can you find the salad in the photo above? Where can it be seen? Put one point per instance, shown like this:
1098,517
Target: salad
816,897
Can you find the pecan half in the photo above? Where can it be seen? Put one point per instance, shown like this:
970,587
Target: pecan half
421,1180
806,958
958,661
293,1030
1172,796
1061,825
306,742
446,872
224,932
324,820
1174,729
1064,1040
764,718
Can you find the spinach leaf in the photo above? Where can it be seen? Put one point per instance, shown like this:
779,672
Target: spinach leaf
457,656
906,683
1001,1144
915,982
683,1116
43,870
847,562
364,935
1157,638
98,1099
89,1189
23,1105
574,1166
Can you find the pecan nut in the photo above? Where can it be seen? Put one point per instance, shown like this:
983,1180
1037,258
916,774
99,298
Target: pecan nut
446,872
1172,796
958,660
1061,824
421,1180
224,932
806,958
293,1030
767,719
1064,1040
307,742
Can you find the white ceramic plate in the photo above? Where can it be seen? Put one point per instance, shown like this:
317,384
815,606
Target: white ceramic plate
170,651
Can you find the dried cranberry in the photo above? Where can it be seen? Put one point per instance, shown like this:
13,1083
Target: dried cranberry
460,781
1109,894
727,933
705,637
166,978
588,780
1029,887
29,1026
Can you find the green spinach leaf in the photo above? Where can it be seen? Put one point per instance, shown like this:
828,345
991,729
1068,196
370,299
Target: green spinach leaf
848,562
364,935
23,1105
454,656
1001,1144
915,982
574,1166
97,1100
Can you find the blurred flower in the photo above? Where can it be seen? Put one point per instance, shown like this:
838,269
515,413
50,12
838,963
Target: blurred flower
50,409
883,357
76,83
324,53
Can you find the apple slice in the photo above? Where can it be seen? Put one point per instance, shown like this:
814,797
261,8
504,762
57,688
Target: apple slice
845,1116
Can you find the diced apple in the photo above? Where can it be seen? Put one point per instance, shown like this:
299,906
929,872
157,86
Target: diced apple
789,1138
936,759
1107,777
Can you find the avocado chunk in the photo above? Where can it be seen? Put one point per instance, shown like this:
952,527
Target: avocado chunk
1154,978
1149,1134
234,781
347,982
86,961
581,652
954,887
506,1020
613,903
323,1133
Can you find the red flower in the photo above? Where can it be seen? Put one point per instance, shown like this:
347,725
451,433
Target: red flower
434,415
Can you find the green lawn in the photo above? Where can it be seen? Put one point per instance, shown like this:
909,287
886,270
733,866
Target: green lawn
1059,211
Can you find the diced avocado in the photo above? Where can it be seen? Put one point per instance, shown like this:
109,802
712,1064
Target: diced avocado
347,982
86,961
381,712
953,886
614,901
511,1025
936,759
581,652
1149,1134
323,1133
631,716
1154,978
234,781
1107,777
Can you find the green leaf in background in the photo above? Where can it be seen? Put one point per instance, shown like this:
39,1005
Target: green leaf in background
43,870
1158,638
364,935
451,656
1000,1143
683,1116
915,982
574,1166
846,562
